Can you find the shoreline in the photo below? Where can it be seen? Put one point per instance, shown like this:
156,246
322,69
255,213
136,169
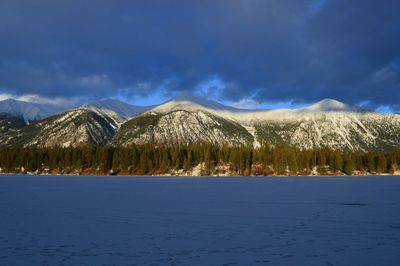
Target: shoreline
222,175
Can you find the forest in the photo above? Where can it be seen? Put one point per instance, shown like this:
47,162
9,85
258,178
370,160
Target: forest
206,158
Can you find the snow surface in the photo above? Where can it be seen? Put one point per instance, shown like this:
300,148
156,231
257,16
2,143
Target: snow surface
49,220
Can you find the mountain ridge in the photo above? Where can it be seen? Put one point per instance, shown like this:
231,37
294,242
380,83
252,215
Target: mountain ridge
188,119
332,105
124,110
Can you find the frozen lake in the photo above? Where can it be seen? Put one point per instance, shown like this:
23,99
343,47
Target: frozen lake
48,220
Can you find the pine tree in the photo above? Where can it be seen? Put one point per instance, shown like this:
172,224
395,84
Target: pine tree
349,166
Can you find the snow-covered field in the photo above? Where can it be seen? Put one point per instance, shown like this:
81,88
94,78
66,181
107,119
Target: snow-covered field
48,220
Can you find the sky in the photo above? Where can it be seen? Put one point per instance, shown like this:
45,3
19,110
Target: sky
247,53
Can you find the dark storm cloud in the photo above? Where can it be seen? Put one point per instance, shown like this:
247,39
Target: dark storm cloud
273,50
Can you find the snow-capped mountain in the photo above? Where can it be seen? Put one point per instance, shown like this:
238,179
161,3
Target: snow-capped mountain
181,127
328,123
184,120
72,128
189,102
330,105
28,111
189,119
341,131
123,110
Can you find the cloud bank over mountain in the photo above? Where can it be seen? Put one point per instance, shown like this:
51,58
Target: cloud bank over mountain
268,51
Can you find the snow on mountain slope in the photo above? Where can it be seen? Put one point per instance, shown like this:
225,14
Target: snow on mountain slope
122,109
72,128
28,111
328,123
192,103
181,127
339,131
330,105
189,102
189,119
319,110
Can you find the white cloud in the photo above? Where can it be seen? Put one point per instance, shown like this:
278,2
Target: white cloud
34,98
247,104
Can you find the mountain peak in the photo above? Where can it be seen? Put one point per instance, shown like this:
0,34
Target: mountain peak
331,105
187,101
124,110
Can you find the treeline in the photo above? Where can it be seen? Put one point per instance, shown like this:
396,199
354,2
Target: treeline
207,159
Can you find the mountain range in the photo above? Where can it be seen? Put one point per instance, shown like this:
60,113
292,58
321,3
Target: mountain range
188,119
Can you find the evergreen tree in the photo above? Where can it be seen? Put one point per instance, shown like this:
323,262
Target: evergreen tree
349,166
